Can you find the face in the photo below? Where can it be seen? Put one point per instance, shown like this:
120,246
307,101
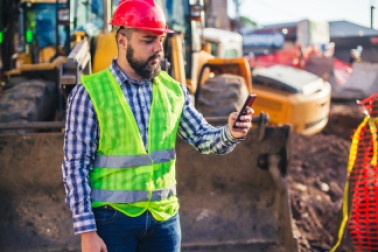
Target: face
144,53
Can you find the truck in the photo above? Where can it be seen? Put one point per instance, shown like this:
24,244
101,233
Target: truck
239,204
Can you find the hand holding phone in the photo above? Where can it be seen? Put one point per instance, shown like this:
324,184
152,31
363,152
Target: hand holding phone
248,103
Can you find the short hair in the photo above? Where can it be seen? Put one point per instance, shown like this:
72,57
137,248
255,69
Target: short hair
123,30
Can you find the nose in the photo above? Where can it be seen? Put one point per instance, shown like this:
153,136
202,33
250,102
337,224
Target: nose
158,46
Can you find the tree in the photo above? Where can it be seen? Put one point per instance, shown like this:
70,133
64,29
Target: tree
246,22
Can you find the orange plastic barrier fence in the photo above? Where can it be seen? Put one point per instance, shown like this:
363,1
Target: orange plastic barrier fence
361,188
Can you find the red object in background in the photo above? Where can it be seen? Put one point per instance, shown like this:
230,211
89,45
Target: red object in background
295,57
289,57
342,71
374,40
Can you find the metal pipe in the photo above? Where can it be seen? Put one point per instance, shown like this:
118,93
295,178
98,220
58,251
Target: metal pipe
21,29
32,125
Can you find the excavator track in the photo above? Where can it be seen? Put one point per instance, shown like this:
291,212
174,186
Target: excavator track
28,100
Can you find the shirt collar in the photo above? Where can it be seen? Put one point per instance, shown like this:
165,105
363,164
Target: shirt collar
122,78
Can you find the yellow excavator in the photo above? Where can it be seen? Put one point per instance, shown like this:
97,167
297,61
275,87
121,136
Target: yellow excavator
236,202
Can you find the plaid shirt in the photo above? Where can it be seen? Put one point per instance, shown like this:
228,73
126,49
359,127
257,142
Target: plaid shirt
82,133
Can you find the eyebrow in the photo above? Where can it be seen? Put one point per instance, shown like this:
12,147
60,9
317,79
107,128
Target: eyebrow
152,36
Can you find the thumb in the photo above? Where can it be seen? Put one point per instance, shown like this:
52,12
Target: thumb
232,117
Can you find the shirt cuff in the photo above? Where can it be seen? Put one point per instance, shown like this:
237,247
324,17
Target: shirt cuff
228,138
84,223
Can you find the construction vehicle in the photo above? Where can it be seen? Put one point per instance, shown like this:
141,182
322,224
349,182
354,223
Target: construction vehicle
293,96
282,86
288,95
224,44
239,204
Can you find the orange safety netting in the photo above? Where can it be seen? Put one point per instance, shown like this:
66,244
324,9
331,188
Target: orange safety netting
360,206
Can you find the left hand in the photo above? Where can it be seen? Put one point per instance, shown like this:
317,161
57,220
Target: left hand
243,126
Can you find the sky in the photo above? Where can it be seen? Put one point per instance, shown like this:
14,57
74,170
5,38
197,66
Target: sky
279,11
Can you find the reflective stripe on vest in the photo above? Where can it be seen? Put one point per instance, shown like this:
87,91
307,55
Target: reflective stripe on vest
110,161
121,196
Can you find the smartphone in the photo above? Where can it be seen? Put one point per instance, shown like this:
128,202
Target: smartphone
248,103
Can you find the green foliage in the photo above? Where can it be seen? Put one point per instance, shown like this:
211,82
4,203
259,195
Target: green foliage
247,22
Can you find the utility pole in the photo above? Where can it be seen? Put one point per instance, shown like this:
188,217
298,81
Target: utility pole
237,4
372,7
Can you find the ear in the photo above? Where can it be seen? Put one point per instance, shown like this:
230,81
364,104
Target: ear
121,41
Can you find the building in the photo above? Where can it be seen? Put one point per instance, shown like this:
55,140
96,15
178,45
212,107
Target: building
216,14
346,36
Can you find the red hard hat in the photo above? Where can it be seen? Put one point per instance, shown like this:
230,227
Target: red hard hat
140,14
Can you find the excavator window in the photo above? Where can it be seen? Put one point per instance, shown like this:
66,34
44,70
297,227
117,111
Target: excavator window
38,31
92,22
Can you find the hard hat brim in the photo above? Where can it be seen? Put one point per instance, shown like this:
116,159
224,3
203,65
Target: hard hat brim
155,30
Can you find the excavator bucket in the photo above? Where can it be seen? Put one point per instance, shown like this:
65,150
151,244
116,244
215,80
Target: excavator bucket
239,201
33,214
235,202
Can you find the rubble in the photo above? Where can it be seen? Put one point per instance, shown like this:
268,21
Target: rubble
317,173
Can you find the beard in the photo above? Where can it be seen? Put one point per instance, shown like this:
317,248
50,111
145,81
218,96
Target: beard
143,68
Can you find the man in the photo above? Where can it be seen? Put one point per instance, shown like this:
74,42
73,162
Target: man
119,162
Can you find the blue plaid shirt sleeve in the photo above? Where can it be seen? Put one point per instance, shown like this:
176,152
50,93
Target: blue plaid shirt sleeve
80,146
196,131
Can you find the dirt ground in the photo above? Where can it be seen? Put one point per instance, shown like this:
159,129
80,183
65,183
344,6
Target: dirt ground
317,173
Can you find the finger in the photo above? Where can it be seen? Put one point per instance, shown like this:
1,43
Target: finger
234,115
243,125
240,130
246,118
249,111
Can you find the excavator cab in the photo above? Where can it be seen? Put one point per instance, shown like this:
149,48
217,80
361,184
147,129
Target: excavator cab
38,37
43,31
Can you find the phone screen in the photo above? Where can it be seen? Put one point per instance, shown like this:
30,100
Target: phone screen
248,103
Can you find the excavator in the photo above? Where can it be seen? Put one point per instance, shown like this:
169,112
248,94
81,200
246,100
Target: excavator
236,202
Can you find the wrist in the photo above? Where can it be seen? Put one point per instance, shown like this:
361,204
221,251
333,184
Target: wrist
230,136
88,234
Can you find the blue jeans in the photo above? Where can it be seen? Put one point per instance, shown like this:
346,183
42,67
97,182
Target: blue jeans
137,234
